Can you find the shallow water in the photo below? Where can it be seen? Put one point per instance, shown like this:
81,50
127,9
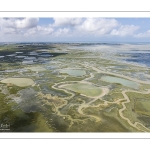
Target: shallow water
20,56
33,54
28,62
19,52
29,58
45,55
122,81
11,55
143,59
36,68
73,72
21,82
85,89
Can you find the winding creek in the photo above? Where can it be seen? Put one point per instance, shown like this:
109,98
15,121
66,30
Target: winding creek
105,91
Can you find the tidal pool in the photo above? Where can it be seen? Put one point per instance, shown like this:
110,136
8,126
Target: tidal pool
73,72
122,81
85,89
33,53
30,58
21,82
19,52
30,62
38,68
11,55
20,56
45,55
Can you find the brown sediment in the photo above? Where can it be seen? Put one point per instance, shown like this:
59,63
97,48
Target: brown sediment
21,82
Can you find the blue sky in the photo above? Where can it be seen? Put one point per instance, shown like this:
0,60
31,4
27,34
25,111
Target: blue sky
75,29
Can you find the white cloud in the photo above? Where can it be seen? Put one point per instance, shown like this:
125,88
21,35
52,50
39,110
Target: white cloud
75,28
124,30
17,23
144,34
9,31
27,23
23,26
84,26
66,22
97,26
62,32
40,30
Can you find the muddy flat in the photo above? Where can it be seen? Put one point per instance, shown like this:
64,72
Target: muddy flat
21,82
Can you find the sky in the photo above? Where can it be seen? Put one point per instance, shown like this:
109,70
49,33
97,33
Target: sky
75,29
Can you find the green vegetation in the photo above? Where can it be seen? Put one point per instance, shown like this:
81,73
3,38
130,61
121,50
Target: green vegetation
113,96
142,107
140,103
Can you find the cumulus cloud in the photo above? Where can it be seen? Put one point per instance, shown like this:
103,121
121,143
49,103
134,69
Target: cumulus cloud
85,26
143,35
40,30
23,27
74,28
17,23
65,26
66,22
98,26
124,30
9,31
27,23
62,32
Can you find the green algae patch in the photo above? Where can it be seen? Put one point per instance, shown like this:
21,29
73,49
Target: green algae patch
21,82
124,82
84,89
73,72
36,68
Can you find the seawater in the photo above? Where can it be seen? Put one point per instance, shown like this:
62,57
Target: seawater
122,81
